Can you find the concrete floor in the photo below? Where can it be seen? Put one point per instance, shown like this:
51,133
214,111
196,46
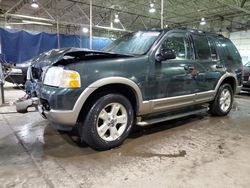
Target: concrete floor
199,151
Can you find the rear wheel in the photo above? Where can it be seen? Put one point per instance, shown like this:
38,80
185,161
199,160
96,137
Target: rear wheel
223,101
108,122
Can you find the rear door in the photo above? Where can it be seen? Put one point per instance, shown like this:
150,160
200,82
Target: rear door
207,64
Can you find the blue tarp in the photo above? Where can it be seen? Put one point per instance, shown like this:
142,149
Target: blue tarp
19,45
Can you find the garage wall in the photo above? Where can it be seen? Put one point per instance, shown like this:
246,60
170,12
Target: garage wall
242,42
20,45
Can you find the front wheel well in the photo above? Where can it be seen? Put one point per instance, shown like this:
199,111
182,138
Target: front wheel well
122,89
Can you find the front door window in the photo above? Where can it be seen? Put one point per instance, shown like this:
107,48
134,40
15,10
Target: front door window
180,44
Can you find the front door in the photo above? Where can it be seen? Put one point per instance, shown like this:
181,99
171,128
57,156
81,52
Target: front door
174,79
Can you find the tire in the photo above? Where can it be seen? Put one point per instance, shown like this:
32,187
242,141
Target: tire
223,101
108,122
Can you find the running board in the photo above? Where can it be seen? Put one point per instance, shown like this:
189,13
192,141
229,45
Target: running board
171,117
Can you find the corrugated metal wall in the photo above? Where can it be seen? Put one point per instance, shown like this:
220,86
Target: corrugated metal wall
242,42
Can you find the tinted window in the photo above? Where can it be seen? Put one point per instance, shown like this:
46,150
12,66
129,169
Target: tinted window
230,50
179,43
201,47
213,49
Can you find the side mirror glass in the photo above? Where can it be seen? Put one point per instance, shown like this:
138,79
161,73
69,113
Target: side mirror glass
165,54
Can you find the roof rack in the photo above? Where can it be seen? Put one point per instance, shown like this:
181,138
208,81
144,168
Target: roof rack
199,31
190,29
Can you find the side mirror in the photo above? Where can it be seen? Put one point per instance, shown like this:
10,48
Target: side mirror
165,54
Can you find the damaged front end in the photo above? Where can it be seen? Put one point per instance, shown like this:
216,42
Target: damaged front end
44,62
23,104
30,99
34,79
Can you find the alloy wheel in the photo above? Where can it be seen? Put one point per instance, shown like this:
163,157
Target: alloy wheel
112,121
225,100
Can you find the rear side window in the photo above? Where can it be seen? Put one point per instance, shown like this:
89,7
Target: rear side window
214,54
202,48
230,50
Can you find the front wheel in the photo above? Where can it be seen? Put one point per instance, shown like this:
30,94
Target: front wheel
223,101
108,122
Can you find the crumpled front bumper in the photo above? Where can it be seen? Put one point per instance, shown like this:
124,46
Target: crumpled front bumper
22,105
58,117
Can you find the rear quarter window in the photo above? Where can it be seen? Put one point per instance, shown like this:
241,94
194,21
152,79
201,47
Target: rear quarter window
230,51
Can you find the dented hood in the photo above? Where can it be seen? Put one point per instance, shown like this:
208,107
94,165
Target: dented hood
56,56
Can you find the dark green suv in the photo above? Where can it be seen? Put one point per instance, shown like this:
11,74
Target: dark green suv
143,78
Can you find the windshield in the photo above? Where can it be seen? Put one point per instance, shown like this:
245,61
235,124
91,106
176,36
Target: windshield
137,43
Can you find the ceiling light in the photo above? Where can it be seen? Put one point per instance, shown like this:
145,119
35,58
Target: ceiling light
8,27
152,8
36,23
16,23
111,28
166,26
30,17
85,30
34,4
116,20
203,21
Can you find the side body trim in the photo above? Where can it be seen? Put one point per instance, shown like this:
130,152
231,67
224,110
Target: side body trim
171,103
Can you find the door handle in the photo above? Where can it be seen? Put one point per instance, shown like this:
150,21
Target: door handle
188,67
219,66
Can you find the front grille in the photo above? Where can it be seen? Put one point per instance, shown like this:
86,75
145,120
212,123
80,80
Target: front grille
245,78
37,73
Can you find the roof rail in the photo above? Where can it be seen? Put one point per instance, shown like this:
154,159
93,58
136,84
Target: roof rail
191,29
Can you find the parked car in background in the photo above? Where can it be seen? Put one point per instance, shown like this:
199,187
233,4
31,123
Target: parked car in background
38,66
16,74
142,78
246,77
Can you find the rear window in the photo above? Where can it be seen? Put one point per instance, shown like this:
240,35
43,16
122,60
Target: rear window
202,48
